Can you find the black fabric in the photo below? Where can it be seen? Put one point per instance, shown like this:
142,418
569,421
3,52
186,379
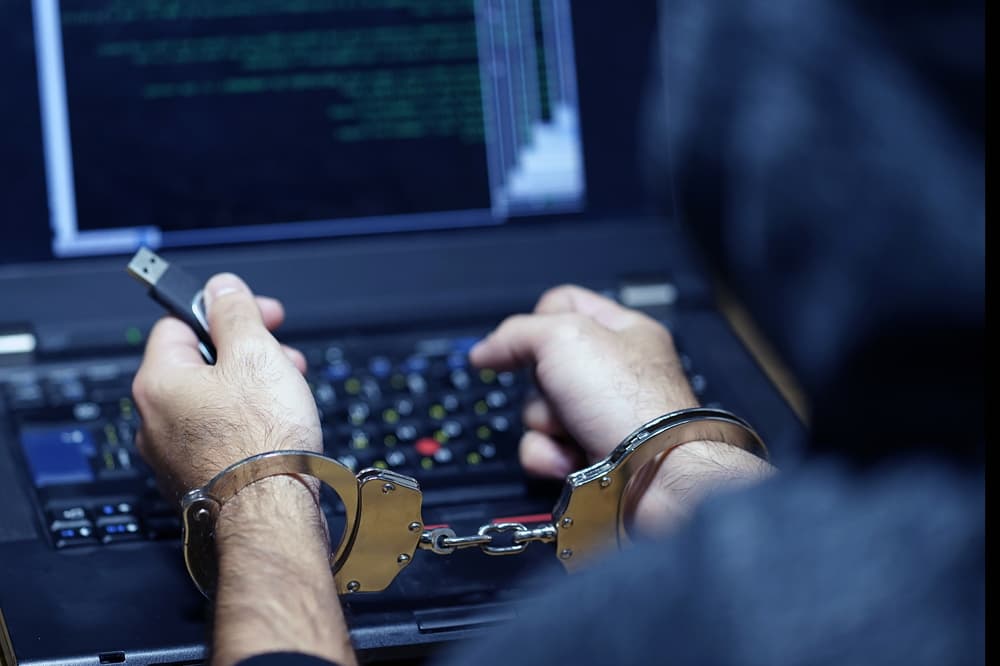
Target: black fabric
829,157
823,566
285,659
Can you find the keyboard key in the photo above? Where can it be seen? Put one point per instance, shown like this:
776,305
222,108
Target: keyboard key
113,510
451,402
397,383
119,528
497,400
360,440
458,361
64,389
507,379
452,429
358,413
396,458
407,432
686,363
69,516
74,534
25,396
444,456
326,396
465,345
460,380
86,411
416,384
405,407
59,456
380,366
501,424
338,371
427,446
370,389
334,354
417,364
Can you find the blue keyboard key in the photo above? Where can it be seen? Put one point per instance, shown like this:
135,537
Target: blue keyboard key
338,371
59,456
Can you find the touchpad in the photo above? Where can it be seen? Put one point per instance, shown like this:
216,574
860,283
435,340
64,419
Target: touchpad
17,521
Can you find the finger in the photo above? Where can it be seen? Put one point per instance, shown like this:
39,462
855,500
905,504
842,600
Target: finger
539,415
271,311
570,298
171,343
296,357
233,313
543,456
518,340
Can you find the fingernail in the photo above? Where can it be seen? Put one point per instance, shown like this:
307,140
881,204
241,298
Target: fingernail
222,284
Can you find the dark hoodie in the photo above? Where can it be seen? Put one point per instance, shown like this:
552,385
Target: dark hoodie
829,156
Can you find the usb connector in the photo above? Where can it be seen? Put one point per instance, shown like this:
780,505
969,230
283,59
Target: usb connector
177,291
147,267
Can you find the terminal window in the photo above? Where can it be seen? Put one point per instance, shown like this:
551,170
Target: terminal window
172,123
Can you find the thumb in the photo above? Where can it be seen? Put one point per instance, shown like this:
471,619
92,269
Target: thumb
233,313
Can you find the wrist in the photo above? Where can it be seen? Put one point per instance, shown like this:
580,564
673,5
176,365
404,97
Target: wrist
690,473
276,592
278,515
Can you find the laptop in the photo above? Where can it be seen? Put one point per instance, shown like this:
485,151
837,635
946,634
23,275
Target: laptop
403,174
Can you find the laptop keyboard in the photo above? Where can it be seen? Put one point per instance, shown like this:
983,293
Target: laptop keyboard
413,405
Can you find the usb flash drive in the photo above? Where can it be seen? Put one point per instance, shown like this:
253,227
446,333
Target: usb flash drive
180,293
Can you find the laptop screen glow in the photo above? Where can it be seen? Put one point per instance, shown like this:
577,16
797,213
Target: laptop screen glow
192,124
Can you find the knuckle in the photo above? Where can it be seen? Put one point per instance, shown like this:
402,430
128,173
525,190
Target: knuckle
511,325
555,293
570,328
145,390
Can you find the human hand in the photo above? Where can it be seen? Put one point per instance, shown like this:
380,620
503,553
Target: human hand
198,419
604,370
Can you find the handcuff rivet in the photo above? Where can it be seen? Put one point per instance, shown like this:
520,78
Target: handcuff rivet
403,558
415,527
388,488
353,586
565,554
605,481
201,515
567,522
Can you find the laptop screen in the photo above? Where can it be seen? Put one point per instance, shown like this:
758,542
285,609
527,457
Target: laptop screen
197,124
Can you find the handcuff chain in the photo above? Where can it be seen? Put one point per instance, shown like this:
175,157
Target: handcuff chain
444,540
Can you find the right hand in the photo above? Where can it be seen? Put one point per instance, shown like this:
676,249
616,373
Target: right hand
603,371
198,419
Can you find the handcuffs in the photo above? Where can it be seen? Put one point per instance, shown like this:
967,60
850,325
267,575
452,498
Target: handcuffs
384,527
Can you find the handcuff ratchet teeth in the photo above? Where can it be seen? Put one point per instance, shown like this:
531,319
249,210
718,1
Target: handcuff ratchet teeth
383,524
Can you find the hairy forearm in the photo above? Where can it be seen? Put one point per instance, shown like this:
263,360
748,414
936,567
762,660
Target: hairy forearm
688,475
275,591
